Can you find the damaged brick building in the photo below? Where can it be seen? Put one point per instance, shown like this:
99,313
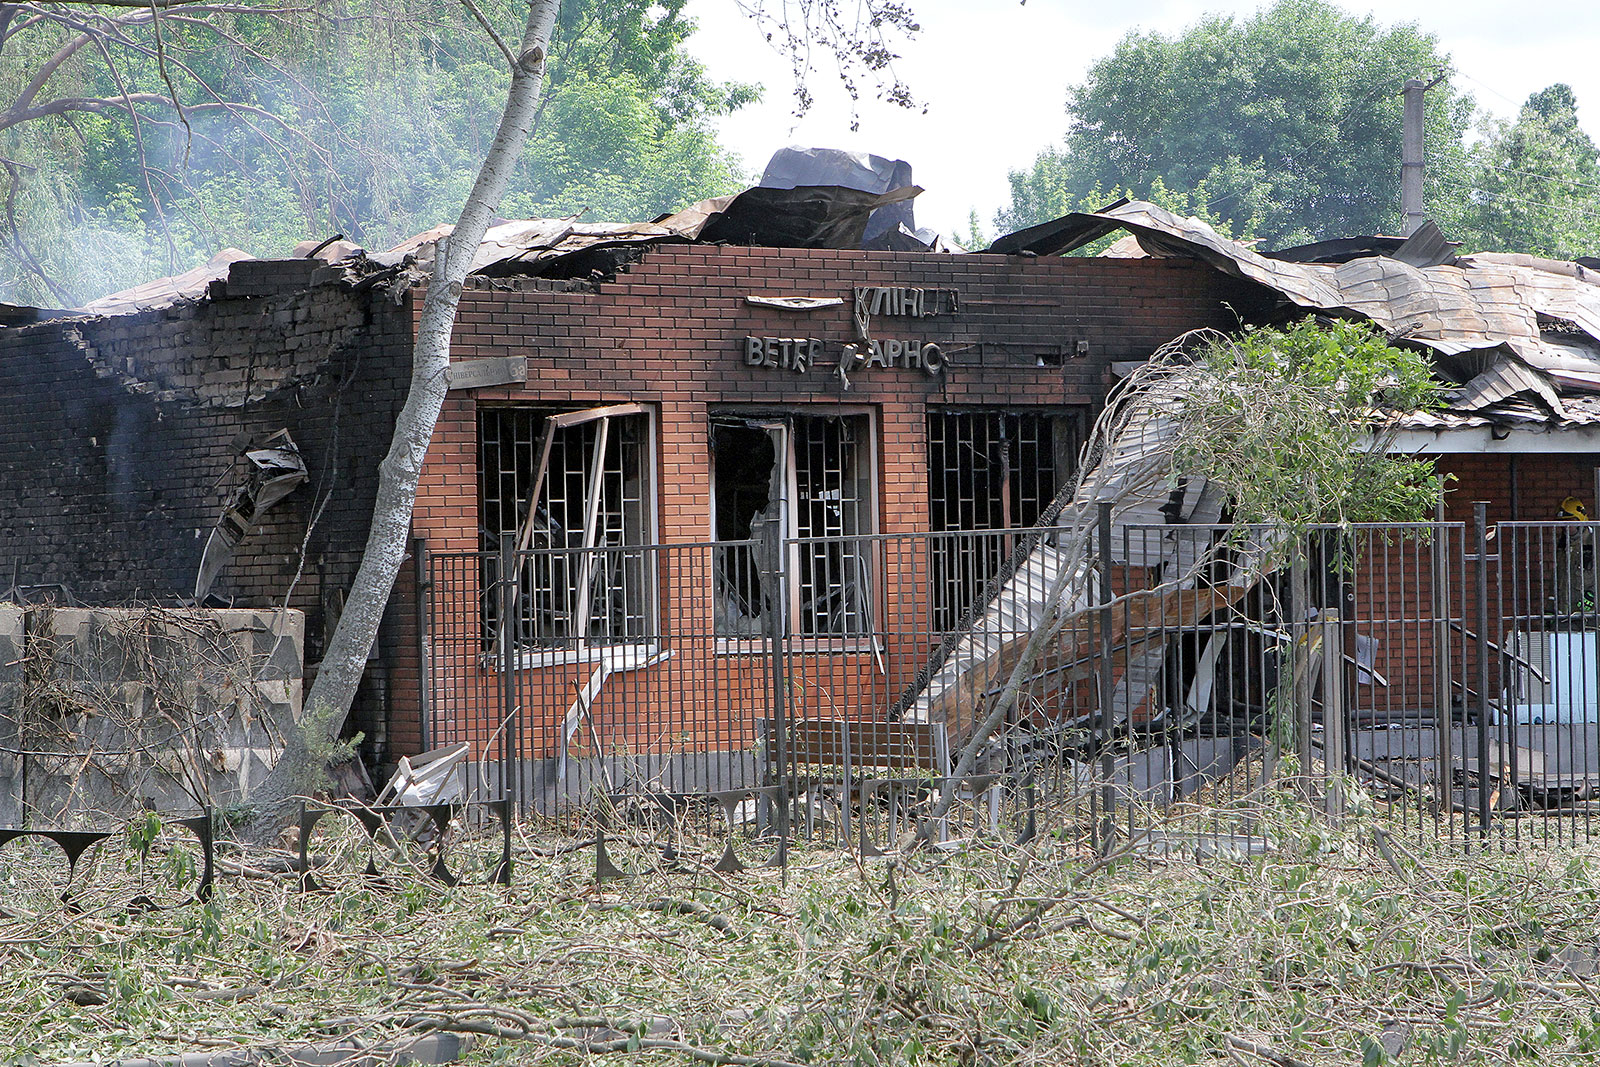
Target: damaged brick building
129,440
684,383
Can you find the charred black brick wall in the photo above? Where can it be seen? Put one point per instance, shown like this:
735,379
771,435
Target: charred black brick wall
120,444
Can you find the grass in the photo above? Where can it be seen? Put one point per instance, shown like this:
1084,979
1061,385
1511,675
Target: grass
1324,951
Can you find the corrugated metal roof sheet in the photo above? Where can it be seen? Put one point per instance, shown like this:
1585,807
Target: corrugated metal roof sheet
1507,304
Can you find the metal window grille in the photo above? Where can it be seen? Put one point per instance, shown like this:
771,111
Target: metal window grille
833,497
577,581
813,474
989,470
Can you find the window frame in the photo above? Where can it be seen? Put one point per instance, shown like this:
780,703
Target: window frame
582,647
950,599
783,421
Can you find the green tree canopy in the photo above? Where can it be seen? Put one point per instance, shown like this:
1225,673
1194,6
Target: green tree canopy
1293,424
1532,185
369,120
1284,126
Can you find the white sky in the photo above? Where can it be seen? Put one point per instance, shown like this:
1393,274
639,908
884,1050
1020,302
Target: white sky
994,75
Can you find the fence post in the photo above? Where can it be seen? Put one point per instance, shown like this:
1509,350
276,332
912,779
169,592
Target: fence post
1334,712
1300,687
1480,583
773,584
506,604
424,589
1443,674
1108,761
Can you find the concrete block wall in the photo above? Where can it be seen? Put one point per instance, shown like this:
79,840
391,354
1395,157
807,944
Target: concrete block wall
105,710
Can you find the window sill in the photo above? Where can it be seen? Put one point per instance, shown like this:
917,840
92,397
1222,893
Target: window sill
804,646
621,657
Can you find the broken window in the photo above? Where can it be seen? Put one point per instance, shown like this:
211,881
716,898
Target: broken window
812,475
572,490
990,470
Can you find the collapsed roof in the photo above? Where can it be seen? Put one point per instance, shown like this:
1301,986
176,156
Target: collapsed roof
1516,338
814,216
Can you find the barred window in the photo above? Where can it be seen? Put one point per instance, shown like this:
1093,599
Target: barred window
572,492
813,475
990,470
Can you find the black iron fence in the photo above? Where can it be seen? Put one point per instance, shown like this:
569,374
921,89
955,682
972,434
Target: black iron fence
1445,672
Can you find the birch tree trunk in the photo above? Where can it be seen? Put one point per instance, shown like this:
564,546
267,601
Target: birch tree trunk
301,766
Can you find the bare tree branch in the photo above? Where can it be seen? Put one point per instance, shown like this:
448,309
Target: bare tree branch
166,77
505,49
857,37
14,181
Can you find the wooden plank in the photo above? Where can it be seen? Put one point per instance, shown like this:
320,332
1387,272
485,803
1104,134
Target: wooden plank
578,418
866,744
1140,620
483,373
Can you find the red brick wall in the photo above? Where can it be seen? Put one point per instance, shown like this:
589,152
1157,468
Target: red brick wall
670,333
1395,593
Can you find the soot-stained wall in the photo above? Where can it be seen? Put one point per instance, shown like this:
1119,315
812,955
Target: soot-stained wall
120,444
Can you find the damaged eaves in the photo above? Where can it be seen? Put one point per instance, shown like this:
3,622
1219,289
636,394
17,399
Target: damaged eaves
1514,337
800,217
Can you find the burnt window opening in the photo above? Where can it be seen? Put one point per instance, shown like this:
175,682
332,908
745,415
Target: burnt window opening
572,492
812,476
990,471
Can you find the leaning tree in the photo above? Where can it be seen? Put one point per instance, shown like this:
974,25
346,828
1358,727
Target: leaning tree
857,46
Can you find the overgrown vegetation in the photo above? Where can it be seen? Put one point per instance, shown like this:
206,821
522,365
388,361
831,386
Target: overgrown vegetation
1293,426
1320,952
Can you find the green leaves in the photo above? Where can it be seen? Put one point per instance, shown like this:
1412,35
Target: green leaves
1283,126
1528,186
372,125
1288,424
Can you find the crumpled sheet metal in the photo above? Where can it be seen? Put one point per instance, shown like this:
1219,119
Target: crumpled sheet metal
893,228
1481,302
530,241
164,292
1500,376
276,469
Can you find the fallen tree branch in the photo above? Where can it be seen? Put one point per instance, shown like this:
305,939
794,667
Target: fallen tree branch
634,1042
1235,1043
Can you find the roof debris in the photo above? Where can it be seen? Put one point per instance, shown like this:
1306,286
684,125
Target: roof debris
1513,335
1515,338
276,469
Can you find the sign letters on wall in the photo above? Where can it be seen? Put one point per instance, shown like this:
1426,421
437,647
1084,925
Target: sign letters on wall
800,354
786,353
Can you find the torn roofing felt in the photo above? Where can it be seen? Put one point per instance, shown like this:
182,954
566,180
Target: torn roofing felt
1508,331
891,227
